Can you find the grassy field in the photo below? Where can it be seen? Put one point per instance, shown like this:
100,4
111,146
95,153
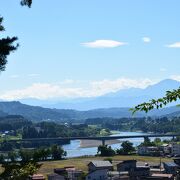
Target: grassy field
81,163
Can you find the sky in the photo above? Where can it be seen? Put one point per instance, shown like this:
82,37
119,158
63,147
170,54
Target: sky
89,48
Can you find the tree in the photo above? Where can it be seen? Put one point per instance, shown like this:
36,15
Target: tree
105,150
16,171
26,3
147,142
170,96
57,152
127,148
25,155
7,44
6,47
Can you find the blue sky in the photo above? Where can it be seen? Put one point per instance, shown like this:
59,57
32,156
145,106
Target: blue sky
89,48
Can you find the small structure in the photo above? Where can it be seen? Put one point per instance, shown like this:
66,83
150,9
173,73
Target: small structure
162,176
69,171
148,150
37,177
166,149
60,171
100,174
175,149
170,167
55,177
177,160
139,172
126,165
97,165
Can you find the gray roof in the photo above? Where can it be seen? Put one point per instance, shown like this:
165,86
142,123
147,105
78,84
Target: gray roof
101,163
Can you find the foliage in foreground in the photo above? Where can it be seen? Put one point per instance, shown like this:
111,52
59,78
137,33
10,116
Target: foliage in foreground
170,96
19,171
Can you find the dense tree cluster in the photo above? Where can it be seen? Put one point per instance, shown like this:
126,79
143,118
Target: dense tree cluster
52,129
13,122
54,152
125,149
156,125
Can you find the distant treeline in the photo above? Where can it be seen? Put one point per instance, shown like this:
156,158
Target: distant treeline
156,125
17,127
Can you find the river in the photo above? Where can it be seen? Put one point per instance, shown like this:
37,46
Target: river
74,150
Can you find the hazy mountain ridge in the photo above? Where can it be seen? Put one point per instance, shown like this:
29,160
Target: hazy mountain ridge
115,105
122,98
36,113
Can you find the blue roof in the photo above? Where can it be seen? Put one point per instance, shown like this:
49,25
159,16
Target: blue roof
171,164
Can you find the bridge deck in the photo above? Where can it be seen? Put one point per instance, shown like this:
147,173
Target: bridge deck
95,138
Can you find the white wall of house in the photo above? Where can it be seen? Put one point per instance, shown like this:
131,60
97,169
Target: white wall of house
98,175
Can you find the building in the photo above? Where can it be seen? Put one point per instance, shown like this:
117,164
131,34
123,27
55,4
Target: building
55,177
139,172
100,174
170,167
175,149
166,148
177,160
37,177
96,165
126,165
161,176
148,150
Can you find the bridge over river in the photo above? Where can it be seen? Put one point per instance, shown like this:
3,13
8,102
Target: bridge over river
102,138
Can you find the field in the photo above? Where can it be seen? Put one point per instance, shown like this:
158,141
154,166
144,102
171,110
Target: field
81,163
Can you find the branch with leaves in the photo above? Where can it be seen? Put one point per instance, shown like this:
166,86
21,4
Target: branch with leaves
170,96
6,47
26,3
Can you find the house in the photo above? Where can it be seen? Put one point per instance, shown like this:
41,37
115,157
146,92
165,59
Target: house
175,149
148,150
73,173
126,165
55,177
100,174
60,171
139,172
177,160
96,165
37,177
166,148
170,167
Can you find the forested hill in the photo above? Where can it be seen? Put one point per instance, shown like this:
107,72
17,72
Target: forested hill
36,113
2,114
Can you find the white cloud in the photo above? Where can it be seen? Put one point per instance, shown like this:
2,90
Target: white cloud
91,89
146,39
176,77
106,86
174,45
103,44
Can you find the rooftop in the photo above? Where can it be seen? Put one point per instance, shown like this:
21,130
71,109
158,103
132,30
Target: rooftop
171,164
101,163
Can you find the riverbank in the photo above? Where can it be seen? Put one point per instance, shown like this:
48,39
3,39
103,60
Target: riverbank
96,143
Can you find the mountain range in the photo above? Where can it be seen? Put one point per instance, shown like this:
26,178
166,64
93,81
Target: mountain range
115,105
122,98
